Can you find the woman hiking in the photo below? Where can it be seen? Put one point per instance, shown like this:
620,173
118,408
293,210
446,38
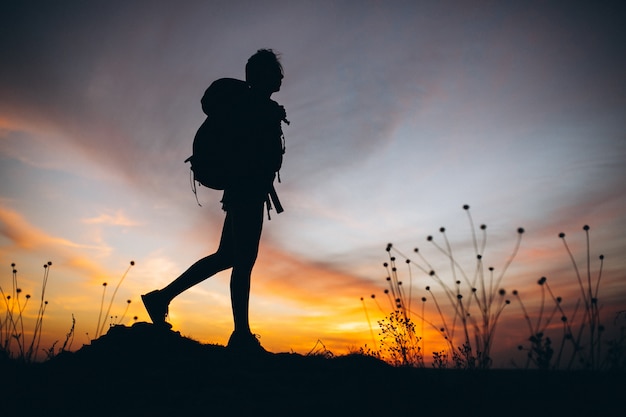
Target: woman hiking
250,188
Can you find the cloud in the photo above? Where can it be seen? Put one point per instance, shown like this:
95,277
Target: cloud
23,235
27,239
310,284
116,219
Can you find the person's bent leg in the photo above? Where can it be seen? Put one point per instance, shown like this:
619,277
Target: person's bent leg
156,302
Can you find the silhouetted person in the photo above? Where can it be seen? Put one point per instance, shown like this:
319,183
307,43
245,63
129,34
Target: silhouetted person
259,158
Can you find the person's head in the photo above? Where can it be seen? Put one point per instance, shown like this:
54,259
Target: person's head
264,72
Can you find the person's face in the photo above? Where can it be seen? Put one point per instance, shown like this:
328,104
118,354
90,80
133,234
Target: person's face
270,80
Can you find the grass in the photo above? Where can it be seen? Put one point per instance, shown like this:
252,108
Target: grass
470,304
101,318
577,329
14,342
473,297
23,343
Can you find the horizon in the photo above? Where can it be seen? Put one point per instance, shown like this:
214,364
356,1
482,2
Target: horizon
400,114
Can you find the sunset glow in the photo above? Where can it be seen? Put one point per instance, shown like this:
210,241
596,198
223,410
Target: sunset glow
401,113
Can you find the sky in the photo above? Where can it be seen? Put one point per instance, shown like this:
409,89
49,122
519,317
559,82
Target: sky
401,112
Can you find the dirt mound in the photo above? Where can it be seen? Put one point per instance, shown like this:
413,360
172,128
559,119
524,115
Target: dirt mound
147,371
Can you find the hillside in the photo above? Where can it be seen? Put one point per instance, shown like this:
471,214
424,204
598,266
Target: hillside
143,371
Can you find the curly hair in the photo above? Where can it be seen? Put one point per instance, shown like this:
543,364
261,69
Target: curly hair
264,61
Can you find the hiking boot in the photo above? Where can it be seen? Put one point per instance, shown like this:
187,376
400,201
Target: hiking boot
157,308
245,343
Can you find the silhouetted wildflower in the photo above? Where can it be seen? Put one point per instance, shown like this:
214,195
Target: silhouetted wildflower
484,294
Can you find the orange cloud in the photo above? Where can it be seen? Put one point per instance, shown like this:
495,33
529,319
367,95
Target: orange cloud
25,236
284,275
116,219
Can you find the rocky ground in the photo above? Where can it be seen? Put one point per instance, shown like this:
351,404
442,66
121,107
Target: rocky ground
144,371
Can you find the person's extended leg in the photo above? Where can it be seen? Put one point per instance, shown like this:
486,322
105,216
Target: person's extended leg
156,302
247,224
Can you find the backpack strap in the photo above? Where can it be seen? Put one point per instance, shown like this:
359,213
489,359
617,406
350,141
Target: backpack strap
194,186
275,200
272,198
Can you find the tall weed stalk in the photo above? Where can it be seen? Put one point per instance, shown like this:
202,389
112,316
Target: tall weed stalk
13,341
473,297
101,319
580,343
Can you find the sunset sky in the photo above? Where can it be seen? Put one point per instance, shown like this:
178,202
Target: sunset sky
401,112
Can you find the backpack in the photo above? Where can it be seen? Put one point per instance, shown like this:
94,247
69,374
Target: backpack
213,151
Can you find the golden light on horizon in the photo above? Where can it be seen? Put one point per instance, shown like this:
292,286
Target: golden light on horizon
382,147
